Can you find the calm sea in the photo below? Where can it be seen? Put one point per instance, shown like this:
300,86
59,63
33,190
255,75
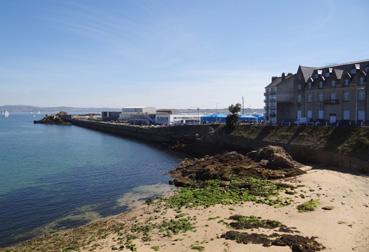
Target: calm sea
55,177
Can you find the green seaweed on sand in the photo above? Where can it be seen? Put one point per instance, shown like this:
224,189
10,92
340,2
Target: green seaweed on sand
237,191
155,248
197,247
308,206
175,226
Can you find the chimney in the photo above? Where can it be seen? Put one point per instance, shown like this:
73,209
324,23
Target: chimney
274,78
283,76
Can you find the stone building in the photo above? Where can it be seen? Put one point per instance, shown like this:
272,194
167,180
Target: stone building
330,94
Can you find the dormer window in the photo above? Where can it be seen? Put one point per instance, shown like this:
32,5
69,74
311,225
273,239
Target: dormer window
353,71
326,74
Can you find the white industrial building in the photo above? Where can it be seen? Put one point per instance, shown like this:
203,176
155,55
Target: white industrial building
170,117
138,114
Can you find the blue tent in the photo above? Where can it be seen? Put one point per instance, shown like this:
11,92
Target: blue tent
248,118
213,118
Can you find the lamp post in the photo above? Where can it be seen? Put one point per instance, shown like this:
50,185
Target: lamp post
198,115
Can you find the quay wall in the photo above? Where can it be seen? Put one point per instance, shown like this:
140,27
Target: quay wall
321,146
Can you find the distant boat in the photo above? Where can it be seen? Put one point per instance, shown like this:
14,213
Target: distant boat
6,114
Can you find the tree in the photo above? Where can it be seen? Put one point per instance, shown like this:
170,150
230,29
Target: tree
233,117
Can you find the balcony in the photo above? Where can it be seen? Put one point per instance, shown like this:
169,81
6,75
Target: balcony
331,101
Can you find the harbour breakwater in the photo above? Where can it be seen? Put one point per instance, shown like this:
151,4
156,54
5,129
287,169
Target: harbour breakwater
344,147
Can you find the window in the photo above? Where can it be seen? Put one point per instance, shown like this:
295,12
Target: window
333,96
310,114
299,114
346,115
321,97
310,97
361,95
361,115
361,80
299,98
347,82
321,114
320,84
346,96
309,85
333,83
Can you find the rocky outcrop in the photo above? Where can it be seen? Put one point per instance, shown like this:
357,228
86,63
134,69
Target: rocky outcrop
274,157
269,163
61,118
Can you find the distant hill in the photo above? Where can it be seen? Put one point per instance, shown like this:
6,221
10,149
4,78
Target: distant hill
26,108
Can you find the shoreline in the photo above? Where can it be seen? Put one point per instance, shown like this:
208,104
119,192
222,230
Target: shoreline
343,228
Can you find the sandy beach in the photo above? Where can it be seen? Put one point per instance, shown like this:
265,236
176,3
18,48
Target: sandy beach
344,227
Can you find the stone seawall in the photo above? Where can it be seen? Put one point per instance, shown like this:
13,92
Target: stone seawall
304,144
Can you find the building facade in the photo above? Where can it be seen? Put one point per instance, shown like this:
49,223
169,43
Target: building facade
171,117
110,115
331,94
138,115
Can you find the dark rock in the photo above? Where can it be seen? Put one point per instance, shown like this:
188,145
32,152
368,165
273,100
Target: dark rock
328,207
235,165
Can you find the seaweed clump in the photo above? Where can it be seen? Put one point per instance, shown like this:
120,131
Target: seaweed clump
297,243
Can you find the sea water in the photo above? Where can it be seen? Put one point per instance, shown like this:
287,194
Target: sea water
54,177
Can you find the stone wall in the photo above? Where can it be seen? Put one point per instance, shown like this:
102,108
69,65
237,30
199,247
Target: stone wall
304,144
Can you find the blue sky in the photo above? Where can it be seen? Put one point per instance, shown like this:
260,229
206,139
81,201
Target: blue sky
168,53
